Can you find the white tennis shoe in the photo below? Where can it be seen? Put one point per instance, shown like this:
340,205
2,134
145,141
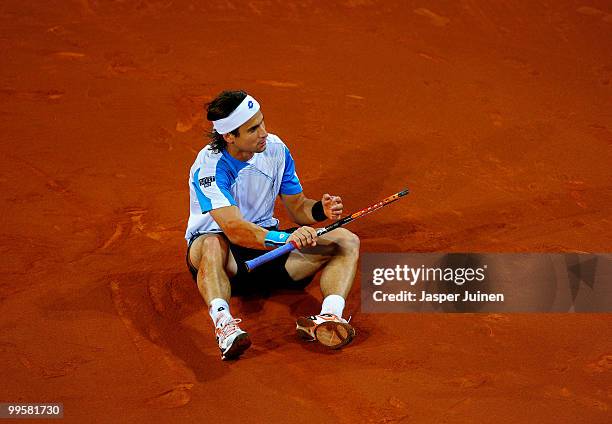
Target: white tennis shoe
232,340
328,329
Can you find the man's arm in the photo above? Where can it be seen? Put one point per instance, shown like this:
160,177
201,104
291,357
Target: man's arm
245,233
300,207
237,229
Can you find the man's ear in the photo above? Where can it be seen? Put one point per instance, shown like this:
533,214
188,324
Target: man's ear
229,138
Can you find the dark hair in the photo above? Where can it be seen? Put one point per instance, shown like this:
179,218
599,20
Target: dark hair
221,107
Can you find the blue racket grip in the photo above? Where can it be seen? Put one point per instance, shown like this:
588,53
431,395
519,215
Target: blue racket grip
267,257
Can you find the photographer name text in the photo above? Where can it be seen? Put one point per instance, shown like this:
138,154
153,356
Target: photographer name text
424,296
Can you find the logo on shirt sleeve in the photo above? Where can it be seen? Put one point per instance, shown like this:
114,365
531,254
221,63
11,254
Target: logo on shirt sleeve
206,181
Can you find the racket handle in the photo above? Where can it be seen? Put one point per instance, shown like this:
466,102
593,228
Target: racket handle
267,257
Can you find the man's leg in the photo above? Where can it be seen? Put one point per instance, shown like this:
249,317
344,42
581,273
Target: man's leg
211,255
337,252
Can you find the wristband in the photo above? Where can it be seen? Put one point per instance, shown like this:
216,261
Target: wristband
275,238
317,212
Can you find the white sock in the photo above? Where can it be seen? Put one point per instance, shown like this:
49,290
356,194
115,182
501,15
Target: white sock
333,304
219,311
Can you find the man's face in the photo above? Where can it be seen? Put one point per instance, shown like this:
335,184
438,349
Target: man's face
252,135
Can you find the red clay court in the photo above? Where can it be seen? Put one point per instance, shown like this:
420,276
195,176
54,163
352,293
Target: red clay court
498,116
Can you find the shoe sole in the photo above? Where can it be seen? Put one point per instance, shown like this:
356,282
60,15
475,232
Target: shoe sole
302,332
240,344
334,335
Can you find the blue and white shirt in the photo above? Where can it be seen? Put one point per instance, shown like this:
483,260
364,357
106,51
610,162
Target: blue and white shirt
217,180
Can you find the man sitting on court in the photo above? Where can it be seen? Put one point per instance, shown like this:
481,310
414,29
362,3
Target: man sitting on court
233,185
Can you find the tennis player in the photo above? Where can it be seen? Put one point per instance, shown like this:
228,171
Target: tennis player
233,185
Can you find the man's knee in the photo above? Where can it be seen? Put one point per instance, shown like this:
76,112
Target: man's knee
212,250
214,243
346,240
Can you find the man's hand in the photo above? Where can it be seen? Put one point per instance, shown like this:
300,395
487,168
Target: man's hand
332,206
304,237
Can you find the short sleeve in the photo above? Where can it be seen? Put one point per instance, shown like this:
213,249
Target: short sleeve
290,183
212,187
